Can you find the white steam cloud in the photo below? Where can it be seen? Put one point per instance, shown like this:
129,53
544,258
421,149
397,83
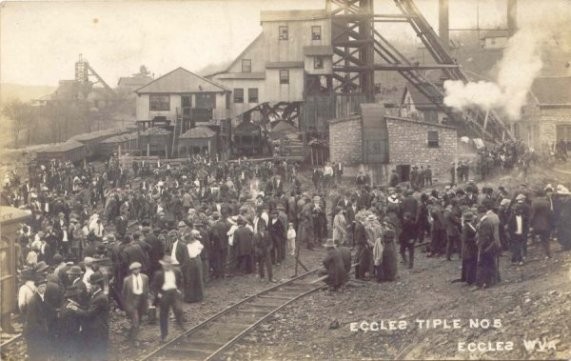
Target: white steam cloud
520,64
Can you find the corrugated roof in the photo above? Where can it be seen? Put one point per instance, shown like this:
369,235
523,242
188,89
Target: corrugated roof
293,15
179,81
61,147
121,138
155,131
198,132
284,64
254,76
552,90
84,137
322,50
134,81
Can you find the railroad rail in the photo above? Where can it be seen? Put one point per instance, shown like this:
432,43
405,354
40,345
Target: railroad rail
218,333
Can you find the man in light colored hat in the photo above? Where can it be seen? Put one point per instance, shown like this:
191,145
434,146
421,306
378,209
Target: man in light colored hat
135,298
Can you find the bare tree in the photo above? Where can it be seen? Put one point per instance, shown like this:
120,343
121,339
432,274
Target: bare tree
21,114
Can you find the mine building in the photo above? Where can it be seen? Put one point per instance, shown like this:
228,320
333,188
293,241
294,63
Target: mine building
546,119
378,143
177,102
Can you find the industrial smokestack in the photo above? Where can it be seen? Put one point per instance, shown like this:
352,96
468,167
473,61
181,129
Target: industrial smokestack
444,23
512,16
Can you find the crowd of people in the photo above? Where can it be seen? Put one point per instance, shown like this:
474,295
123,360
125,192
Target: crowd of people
154,235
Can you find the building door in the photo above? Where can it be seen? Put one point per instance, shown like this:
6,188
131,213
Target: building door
403,171
564,135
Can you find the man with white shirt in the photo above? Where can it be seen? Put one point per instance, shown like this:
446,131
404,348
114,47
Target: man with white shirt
135,298
518,229
166,287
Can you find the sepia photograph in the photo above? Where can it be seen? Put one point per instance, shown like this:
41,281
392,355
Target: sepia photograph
252,180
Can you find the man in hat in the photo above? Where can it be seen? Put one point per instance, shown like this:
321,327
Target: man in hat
166,285
540,220
218,239
155,249
36,330
277,232
263,243
135,298
334,267
243,240
517,229
95,321
469,249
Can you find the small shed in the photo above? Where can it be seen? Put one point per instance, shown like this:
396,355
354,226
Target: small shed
126,142
72,151
155,141
248,139
198,140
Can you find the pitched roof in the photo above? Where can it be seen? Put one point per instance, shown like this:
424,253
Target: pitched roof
552,90
198,132
421,102
179,81
231,64
134,81
293,15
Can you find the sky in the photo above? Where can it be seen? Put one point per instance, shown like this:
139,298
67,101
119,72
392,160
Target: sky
41,40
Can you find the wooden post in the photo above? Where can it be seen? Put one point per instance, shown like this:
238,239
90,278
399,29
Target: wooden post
148,149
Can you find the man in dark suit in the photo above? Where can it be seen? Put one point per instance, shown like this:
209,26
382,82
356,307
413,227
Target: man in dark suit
218,239
95,325
244,246
540,220
132,252
135,298
263,243
121,226
277,185
155,249
166,285
334,266
36,326
488,246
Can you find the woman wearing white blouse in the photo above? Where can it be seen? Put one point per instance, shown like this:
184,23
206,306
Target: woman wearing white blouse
191,268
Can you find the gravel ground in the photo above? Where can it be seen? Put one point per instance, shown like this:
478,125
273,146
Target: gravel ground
219,294
532,301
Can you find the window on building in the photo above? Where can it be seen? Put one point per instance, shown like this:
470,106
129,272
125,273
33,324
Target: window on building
316,32
252,95
246,65
318,62
284,76
159,102
284,32
201,114
205,100
433,139
238,95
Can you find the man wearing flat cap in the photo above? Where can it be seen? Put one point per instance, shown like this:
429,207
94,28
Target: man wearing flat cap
135,298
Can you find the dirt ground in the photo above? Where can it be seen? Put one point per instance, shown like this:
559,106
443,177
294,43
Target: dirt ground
219,294
533,302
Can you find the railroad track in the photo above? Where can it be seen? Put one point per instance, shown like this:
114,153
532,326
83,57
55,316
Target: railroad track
211,338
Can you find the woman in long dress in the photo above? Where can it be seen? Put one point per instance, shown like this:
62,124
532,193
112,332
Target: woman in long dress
194,288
